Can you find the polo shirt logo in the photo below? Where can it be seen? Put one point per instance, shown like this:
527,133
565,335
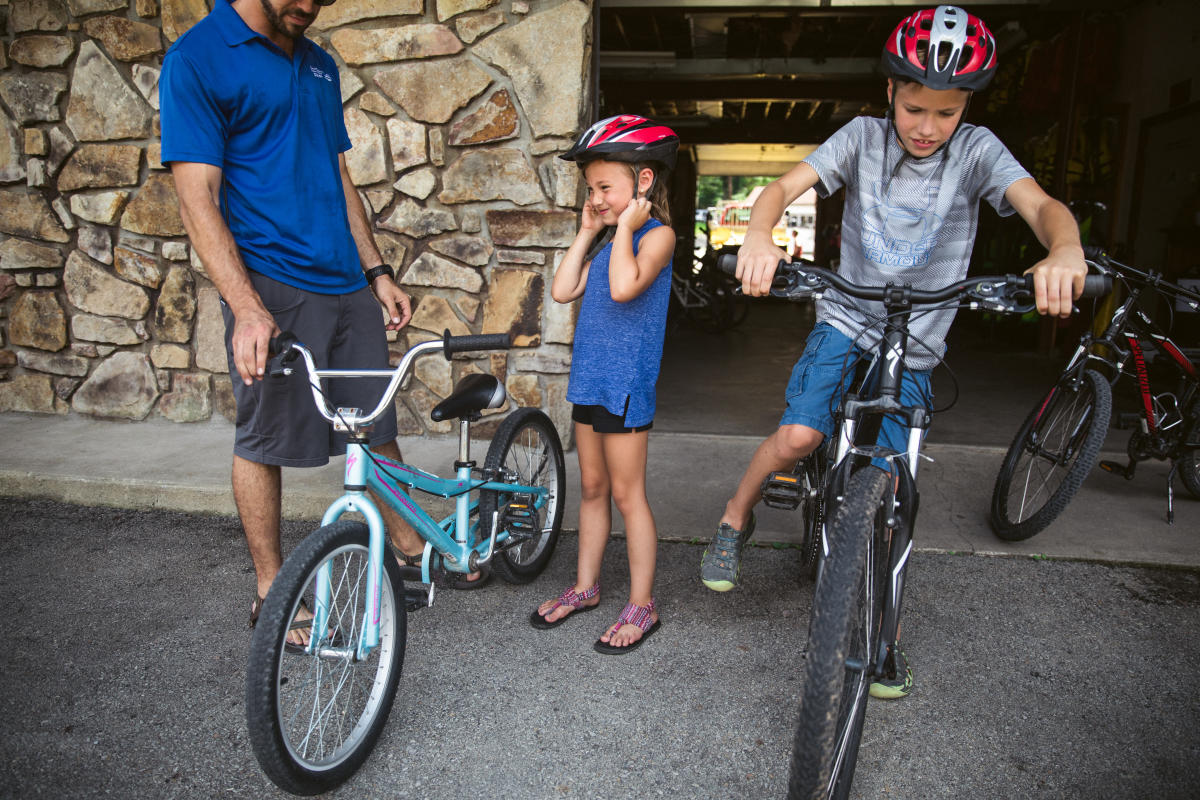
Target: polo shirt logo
320,73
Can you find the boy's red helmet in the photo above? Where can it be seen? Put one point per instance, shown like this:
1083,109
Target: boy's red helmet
942,48
629,138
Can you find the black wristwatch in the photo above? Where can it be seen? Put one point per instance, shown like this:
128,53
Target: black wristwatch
375,272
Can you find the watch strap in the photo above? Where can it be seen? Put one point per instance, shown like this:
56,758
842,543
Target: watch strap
375,272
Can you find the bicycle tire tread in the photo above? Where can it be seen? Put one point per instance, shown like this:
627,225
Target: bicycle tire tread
1085,461
834,602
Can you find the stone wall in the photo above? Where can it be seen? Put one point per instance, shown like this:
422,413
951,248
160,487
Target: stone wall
456,108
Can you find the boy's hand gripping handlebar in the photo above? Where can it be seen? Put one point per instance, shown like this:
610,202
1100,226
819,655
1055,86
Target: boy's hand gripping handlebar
1014,293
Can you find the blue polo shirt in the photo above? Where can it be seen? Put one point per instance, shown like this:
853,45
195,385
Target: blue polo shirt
273,124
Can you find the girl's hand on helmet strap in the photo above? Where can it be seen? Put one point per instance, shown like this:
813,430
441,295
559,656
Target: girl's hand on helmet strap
635,214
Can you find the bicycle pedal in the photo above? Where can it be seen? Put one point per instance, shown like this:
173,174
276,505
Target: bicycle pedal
519,516
417,597
783,490
1115,468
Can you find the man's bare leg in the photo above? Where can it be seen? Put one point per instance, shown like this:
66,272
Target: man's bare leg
403,536
256,491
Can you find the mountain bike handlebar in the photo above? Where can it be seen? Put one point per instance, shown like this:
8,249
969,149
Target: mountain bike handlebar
1107,264
800,279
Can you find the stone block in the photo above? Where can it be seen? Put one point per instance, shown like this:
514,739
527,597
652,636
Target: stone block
103,208
37,320
42,50
514,306
91,288
27,214
190,398
154,210
359,46
495,174
122,386
532,53
517,228
29,394
102,106
432,91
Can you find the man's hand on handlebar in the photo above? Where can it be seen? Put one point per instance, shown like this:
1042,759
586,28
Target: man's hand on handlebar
758,259
252,332
1058,281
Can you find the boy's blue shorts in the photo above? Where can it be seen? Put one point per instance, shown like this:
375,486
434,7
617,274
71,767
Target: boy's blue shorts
815,389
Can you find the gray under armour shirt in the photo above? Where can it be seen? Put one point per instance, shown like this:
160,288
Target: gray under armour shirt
908,220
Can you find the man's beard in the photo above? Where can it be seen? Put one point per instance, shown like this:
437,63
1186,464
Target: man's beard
277,22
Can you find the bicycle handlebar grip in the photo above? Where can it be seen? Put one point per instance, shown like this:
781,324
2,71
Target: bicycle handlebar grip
480,341
282,345
727,263
1093,285
1096,285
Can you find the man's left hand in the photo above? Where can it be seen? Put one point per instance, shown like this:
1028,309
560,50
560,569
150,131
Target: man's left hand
1058,280
394,301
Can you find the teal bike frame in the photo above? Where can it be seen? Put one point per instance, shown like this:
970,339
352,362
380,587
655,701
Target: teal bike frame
448,544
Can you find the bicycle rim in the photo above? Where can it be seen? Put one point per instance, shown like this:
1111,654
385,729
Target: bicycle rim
327,704
1055,450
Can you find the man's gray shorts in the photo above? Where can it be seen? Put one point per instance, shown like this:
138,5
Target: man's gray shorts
277,422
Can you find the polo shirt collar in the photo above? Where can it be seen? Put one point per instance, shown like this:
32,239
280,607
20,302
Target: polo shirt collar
234,29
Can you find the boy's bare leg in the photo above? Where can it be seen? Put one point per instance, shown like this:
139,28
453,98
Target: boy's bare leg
778,452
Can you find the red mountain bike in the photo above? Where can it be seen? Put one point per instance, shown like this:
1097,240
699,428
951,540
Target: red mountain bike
1060,441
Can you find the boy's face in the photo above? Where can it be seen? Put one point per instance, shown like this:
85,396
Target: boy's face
925,118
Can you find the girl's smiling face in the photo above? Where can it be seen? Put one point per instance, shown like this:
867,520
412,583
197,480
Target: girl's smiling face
610,189
925,118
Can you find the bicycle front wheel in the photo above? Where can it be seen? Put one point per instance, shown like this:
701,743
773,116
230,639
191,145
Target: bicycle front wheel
1053,452
314,719
812,484
1189,472
525,450
843,642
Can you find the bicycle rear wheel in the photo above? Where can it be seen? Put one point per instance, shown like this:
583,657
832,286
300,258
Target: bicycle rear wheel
843,642
314,719
526,450
1053,452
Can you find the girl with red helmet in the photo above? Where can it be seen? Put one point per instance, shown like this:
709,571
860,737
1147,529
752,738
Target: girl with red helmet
914,182
624,278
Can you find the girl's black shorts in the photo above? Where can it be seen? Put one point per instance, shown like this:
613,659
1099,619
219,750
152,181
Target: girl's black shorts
604,421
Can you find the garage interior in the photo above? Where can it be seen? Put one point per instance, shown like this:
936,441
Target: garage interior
1098,100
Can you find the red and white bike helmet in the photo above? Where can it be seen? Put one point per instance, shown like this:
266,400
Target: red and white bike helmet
947,36
628,138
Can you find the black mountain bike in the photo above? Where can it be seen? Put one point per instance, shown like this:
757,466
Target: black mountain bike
1059,442
864,527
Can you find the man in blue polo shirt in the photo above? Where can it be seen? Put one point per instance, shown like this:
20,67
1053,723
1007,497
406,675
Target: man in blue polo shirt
253,130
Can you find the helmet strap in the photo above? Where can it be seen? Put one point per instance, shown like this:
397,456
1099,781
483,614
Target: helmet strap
603,238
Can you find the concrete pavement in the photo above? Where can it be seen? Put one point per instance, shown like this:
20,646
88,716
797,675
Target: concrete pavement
162,465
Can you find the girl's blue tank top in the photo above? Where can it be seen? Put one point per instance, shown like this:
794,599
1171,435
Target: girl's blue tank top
618,346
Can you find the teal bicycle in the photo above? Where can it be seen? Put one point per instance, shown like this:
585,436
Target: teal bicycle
315,711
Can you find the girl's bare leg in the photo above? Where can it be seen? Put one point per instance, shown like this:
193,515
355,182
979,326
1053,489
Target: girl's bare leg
625,455
595,516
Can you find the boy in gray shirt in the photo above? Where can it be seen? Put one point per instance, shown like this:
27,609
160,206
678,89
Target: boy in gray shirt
913,181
